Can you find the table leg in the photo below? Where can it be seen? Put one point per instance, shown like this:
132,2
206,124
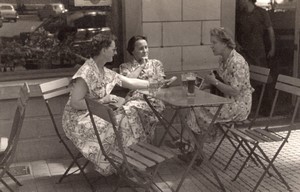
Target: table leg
199,150
167,125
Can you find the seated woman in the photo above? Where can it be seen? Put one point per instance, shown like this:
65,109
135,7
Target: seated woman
97,81
142,68
234,84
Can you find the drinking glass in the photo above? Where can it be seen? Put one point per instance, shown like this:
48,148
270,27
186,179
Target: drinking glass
184,82
153,86
191,81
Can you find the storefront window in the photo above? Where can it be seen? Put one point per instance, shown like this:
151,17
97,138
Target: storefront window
43,38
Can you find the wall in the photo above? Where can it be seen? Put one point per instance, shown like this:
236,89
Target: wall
178,30
38,139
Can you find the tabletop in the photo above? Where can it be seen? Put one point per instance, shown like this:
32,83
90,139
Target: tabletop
177,97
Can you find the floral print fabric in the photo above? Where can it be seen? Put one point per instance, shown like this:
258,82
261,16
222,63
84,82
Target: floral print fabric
78,127
134,99
234,72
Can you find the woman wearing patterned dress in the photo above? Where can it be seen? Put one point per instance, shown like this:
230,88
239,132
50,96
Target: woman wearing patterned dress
97,81
235,85
142,68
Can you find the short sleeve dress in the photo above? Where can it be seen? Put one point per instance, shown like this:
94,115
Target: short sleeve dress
234,72
134,99
78,127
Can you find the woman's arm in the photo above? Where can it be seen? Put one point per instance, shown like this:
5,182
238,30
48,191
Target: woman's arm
80,89
136,72
133,83
271,53
224,88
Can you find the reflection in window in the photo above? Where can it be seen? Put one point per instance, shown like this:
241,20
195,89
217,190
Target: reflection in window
57,42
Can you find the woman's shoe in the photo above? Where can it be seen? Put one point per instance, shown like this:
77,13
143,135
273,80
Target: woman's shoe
198,162
188,157
185,157
183,145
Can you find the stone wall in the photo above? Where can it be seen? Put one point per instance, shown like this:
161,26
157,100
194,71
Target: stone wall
38,139
178,30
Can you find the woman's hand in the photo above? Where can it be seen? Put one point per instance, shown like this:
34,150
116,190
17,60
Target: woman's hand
168,82
137,71
109,99
210,78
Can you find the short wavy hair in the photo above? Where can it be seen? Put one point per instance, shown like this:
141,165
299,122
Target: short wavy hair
101,41
131,42
224,36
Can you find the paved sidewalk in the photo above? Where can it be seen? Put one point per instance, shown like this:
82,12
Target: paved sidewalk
44,174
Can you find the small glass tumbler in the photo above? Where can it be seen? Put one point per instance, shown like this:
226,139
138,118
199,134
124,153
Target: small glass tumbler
153,86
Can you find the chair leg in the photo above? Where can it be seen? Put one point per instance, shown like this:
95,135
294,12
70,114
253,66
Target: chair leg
68,169
13,178
245,149
270,164
84,175
233,155
245,162
118,184
153,176
5,184
81,169
167,128
219,144
225,135
259,161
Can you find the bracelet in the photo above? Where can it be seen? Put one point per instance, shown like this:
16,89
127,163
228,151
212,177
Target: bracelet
217,82
148,85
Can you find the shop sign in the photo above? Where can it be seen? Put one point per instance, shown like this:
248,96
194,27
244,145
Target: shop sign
81,3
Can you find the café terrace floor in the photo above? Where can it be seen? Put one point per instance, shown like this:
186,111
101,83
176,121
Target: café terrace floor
43,175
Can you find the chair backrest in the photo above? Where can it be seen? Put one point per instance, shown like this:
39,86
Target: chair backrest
106,113
17,124
259,75
53,89
289,85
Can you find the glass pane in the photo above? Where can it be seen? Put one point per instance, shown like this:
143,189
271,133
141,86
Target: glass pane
38,42
6,7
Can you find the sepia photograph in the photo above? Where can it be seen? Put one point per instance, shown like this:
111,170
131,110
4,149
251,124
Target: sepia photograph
149,95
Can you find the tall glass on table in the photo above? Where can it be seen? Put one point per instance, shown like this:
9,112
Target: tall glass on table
188,83
191,81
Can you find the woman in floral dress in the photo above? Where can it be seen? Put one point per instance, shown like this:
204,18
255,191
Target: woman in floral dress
142,68
97,81
235,85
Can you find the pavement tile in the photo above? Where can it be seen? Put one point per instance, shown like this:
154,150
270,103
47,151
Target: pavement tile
45,173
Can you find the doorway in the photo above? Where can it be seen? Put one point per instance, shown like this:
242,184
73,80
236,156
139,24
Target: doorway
284,16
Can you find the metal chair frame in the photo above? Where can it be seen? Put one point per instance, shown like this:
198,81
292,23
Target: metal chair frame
256,137
52,90
259,75
134,164
6,157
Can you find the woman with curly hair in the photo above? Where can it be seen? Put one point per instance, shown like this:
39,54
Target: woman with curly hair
232,79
